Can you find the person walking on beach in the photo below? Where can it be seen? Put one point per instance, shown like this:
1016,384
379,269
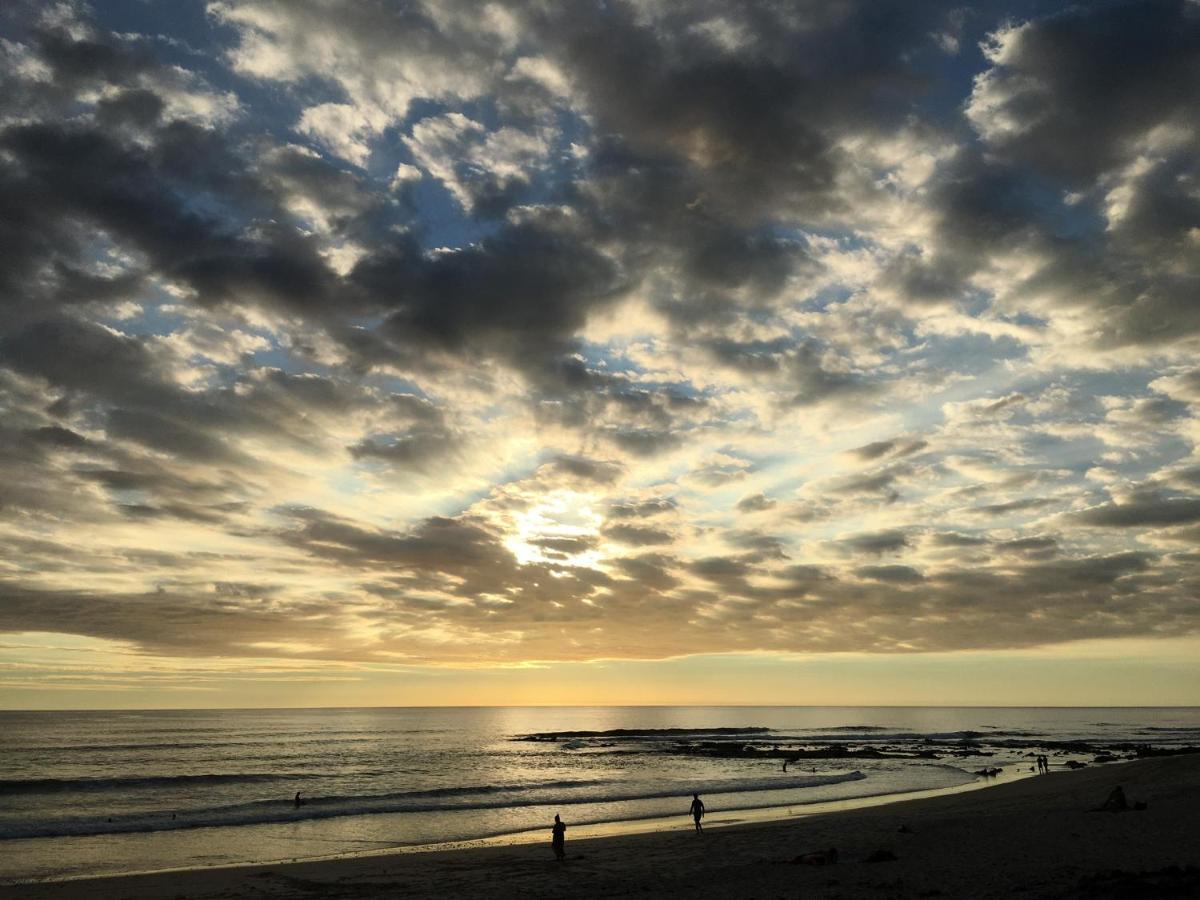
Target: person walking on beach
697,811
559,838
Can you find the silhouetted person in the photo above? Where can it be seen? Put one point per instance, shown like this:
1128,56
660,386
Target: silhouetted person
299,803
697,811
558,839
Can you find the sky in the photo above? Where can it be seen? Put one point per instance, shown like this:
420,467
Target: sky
621,351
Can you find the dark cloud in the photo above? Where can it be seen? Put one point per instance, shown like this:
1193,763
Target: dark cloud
890,574
895,447
881,482
642,508
521,293
649,571
755,503
438,544
644,441
638,535
415,450
1081,114
1145,509
595,470
760,122
763,546
1030,547
876,542
1012,506
954,539
174,622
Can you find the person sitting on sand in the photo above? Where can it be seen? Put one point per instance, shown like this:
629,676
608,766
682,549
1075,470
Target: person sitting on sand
697,811
559,838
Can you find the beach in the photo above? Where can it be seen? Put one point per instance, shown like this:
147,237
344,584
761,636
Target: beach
1036,837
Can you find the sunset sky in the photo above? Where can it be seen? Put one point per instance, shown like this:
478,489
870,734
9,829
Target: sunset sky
383,353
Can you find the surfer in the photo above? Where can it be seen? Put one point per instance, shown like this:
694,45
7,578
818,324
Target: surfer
697,811
299,803
559,838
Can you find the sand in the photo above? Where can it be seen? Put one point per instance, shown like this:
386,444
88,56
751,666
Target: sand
1031,838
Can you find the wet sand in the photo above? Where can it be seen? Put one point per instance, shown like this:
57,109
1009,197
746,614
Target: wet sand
1035,837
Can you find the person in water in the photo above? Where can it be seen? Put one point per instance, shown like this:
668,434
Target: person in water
299,803
559,838
697,811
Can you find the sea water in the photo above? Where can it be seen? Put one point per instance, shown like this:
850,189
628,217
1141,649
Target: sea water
101,792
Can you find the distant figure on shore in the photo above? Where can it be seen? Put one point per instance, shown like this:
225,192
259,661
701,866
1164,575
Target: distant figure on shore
558,839
1043,763
697,811
299,803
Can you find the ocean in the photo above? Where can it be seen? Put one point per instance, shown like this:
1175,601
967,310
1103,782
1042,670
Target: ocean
100,792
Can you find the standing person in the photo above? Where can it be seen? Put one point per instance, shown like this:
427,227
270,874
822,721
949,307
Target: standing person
559,838
697,811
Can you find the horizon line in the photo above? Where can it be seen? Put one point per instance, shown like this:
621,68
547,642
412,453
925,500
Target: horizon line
128,709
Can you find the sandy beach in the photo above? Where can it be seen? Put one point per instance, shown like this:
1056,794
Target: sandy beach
1038,837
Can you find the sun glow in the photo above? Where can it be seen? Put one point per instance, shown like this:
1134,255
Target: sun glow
562,528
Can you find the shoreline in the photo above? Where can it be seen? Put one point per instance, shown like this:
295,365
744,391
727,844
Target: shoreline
726,817
1036,831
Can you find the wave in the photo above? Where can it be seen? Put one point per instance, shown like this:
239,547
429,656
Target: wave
1176,729
11,786
562,794
274,743
879,734
650,734
854,728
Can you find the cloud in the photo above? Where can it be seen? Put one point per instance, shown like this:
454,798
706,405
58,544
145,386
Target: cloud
638,536
890,574
877,542
755,503
879,449
1145,509
451,333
